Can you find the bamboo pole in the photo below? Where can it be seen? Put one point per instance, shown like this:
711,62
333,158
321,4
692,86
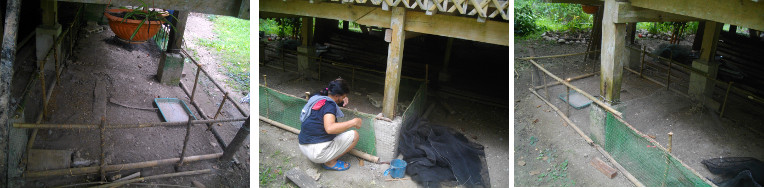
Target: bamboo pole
187,173
211,128
119,167
571,79
123,126
238,107
196,81
564,117
365,156
665,173
185,140
724,105
225,96
658,82
598,102
556,56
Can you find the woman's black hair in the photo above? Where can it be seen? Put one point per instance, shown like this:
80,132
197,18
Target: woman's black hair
336,87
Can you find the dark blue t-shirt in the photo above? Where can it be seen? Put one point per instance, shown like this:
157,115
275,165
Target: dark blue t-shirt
312,130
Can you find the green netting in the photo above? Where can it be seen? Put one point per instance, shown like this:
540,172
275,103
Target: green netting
284,108
650,165
417,106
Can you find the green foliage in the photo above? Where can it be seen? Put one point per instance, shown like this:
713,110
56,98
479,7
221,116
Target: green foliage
666,27
268,175
232,45
524,21
532,17
269,26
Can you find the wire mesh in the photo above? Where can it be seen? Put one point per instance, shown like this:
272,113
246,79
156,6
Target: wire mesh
162,37
650,164
417,105
284,108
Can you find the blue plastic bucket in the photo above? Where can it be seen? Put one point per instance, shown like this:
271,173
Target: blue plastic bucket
397,168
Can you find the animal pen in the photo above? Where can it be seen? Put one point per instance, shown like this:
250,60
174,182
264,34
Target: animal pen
623,144
21,145
282,110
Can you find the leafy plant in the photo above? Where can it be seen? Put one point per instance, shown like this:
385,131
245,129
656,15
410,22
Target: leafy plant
525,21
145,14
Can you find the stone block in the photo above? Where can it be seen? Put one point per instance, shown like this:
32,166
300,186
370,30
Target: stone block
170,68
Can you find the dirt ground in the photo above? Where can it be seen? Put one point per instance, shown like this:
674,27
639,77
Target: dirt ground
279,151
699,132
127,74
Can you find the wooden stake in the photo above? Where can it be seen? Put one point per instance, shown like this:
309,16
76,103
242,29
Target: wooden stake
724,105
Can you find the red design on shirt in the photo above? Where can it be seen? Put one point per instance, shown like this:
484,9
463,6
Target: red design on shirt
319,104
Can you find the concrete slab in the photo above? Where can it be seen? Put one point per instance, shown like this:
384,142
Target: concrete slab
40,159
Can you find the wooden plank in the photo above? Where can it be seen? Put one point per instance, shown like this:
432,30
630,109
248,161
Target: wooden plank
493,32
612,53
301,179
222,7
742,13
394,62
630,14
603,167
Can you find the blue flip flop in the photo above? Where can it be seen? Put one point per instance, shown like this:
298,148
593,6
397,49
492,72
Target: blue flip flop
339,166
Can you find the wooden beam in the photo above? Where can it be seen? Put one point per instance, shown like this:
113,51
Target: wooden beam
394,62
612,53
630,14
493,32
276,15
234,8
742,13
410,34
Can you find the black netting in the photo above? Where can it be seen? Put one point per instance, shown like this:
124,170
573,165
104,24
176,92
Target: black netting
438,154
737,171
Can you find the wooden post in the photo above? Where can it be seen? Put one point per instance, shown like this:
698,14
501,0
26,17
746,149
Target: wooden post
701,86
699,36
344,25
665,173
394,62
724,105
612,54
175,40
237,141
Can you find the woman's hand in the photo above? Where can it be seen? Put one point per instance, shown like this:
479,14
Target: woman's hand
358,123
345,102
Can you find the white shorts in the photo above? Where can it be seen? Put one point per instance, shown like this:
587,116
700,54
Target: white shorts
325,151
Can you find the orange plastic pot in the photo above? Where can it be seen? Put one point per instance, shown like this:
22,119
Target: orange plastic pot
124,28
589,9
